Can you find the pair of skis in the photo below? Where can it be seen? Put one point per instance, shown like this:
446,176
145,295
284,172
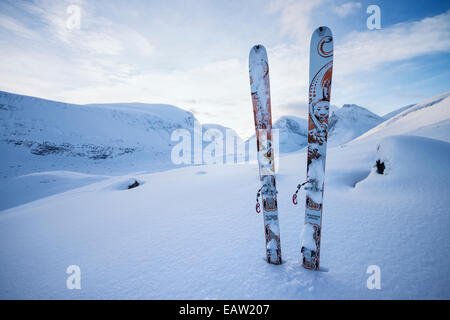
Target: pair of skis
320,75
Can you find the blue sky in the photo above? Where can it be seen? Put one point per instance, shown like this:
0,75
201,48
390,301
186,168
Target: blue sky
194,54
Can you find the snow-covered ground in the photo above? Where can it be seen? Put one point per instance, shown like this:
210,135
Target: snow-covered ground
41,140
192,232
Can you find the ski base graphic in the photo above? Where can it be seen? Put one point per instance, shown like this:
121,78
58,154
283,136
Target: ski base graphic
320,75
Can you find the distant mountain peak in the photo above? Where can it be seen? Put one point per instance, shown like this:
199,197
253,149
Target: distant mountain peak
349,122
351,105
293,124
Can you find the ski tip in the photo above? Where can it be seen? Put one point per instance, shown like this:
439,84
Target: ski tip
323,30
258,48
322,43
258,51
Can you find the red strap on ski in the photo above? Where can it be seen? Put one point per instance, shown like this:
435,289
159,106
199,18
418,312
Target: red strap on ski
258,206
294,196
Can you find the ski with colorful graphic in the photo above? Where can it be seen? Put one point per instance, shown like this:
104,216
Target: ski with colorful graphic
320,74
260,92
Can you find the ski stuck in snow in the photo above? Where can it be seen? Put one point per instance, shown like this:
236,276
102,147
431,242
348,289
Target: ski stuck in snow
260,93
320,74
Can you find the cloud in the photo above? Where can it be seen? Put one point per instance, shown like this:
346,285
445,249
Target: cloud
347,8
289,68
97,34
106,60
363,50
357,58
217,91
296,108
295,16
101,52
17,27
367,50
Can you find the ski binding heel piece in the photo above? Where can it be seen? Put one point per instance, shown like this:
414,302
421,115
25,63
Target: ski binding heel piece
313,186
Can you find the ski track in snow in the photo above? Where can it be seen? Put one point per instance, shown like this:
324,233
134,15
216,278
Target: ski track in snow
192,233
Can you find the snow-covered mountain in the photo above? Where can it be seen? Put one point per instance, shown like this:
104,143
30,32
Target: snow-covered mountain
352,121
88,132
47,134
344,123
349,122
293,133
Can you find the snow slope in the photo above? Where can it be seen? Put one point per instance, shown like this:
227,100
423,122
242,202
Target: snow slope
29,187
430,118
397,111
193,233
140,243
